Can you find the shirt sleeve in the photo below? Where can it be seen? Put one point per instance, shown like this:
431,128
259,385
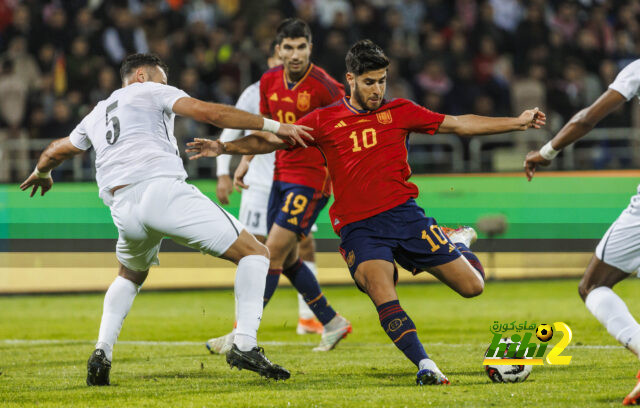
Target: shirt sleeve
79,136
167,95
420,119
627,83
310,120
264,103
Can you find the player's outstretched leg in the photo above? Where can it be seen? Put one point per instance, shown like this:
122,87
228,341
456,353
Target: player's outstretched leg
596,290
253,262
117,303
377,279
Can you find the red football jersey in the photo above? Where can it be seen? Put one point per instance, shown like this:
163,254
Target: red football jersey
366,154
287,103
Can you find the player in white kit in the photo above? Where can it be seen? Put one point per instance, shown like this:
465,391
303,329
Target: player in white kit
254,177
617,256
142,179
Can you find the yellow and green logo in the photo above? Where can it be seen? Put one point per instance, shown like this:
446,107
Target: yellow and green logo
523,349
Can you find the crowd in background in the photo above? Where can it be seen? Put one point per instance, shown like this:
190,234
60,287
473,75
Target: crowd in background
492,57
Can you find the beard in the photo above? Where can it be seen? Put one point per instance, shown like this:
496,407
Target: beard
362,102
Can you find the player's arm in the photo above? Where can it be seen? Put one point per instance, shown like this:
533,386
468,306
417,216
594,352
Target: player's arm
255,143
470,125
57,152
225,116
578,126
224,186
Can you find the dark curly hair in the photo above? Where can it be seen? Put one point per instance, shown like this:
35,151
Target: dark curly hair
134,61
365,56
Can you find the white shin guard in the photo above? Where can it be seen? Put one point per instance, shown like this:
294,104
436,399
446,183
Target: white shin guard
612,312
249,289
117,303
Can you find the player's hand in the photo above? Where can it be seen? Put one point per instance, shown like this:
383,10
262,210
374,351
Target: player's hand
294,134
238,176
34,181
225,187
532,118
532,160
205,148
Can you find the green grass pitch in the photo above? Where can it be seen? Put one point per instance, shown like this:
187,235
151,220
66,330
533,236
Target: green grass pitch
161,360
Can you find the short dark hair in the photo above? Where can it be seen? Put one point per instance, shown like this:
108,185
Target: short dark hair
134,61
365,56
293,28
272,48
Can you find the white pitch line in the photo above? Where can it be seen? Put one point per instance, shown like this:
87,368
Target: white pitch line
19,342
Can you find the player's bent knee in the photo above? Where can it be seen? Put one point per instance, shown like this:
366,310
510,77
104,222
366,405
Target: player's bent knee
472,290
137,277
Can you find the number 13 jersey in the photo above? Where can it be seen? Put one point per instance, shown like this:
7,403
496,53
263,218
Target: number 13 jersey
288,102
132,134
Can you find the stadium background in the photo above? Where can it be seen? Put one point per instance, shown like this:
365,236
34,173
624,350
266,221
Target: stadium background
497,57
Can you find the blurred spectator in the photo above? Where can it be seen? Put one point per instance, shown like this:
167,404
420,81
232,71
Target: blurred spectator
14,91
123,37
493,56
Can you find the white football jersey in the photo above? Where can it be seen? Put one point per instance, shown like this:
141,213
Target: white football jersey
260,173
628,81
132,134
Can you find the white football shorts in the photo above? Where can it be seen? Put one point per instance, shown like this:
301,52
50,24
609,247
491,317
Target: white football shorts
620,245
253,210
147,211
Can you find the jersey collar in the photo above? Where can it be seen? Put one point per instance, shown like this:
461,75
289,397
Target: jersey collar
352,109
292,86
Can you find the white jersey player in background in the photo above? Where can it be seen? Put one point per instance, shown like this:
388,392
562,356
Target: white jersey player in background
253,178
142,179
617,255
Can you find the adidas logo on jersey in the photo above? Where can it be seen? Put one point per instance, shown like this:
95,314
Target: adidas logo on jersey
293,220
341,124
274,97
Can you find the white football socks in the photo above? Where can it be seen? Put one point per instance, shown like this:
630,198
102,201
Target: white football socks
117,303
251,279
613,313
303,309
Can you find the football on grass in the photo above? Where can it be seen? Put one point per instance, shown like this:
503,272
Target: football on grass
507,373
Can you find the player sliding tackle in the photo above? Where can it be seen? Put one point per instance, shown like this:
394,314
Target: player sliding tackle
141,178
379,223
621,243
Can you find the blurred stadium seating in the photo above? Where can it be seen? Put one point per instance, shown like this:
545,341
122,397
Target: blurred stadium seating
494,57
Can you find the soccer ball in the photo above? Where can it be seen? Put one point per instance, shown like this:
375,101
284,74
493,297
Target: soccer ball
544,332
507,373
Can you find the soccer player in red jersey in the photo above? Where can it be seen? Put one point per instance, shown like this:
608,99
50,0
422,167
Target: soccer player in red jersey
365,141
301,186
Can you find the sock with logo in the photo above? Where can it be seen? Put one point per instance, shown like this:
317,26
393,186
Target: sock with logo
471,257
401,330
303,280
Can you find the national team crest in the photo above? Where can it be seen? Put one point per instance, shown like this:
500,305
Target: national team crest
384,117
304,101
351,258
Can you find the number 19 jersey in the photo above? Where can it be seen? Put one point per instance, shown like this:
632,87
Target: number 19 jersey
287,103
132,134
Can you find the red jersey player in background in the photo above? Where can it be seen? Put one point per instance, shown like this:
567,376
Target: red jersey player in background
365,141
301,186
